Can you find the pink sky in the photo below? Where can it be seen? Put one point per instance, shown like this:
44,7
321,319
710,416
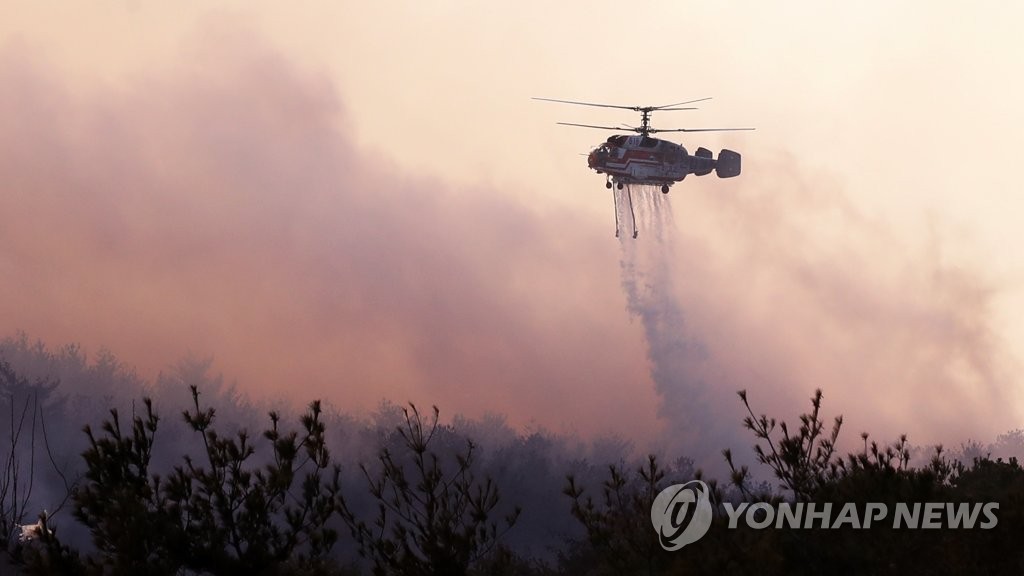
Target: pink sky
360,203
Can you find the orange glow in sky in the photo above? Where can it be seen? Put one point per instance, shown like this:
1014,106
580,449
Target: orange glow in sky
359,201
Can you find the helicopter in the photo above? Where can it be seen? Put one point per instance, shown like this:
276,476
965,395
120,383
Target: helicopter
646,161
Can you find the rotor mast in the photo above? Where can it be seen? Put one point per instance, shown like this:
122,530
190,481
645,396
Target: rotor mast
645,122
645,117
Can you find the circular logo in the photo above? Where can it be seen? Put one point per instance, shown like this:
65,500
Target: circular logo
681,514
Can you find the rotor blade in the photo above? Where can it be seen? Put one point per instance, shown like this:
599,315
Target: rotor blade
670,109
634,108
672,106
587,103
598,127
698,129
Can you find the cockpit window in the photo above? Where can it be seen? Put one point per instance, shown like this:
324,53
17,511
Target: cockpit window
649,142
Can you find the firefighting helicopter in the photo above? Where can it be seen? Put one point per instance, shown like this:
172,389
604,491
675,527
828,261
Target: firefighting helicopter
645,161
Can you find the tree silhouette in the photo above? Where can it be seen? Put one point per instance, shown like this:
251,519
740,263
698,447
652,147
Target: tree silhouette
619,535
432,519
802,461
23,403
228,515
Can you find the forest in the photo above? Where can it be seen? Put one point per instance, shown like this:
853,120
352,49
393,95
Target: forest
106,473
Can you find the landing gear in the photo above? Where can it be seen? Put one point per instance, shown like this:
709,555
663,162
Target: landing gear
608,185
664,189
619,185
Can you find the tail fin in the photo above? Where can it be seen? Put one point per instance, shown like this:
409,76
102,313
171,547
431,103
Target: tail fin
728,164
707,164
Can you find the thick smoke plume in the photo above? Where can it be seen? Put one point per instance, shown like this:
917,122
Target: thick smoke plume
228,208
695,416
778,284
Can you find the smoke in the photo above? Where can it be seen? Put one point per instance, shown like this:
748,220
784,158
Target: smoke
694,416
778,284
224,207
227,208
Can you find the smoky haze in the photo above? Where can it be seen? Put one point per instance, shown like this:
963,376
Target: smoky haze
223,208
776,283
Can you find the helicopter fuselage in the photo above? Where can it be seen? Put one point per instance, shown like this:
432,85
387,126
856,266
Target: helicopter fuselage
647,161
650,161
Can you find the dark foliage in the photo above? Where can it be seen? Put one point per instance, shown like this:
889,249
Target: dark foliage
619,538
227,515
22,405
225,502
433,519
808,468
803,461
